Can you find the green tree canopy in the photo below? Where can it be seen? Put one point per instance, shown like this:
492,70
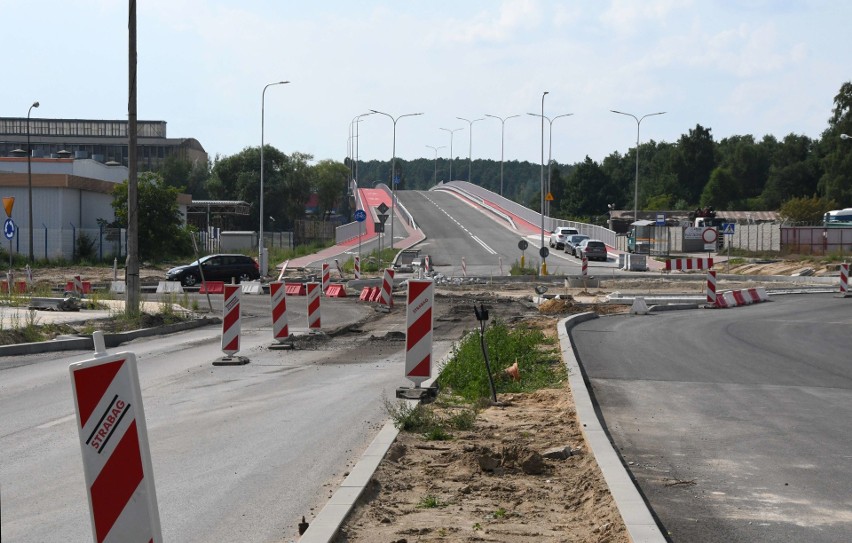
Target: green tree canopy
162,233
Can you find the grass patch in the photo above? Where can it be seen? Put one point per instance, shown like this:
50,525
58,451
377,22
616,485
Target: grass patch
516,269
430,502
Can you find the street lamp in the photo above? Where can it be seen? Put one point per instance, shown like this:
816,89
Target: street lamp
30,179
451,148
636,184
353,147
261,255
842,136
543,259
435,179
393,163
549,152
470,143
502,134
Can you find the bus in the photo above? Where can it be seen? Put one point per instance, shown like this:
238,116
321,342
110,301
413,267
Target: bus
840,218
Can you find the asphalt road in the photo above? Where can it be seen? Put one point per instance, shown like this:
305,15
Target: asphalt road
239,453
736,423
456,228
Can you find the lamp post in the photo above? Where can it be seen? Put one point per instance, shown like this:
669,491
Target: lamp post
435,179
470,143
30,180
549,152
393,162
261,255
451,148
353,146
636,183
842,136
502,135
543,260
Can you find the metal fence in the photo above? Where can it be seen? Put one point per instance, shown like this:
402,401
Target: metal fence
63,243
759,237
816,240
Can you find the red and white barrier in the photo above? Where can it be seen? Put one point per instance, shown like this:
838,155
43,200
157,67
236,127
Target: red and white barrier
687,264
464,267
418,336
844,280
501,264
357,267
231,319
585,266
313,296
283,269
387,288
428,261
114,444
711,287
278,295
735,298
326,276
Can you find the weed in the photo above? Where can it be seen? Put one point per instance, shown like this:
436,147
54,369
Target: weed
430,502
463,420
500,513
477,526
516,269
410,418
437,433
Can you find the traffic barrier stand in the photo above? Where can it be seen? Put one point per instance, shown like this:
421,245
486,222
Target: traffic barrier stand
376,294
78,286
418,339
117,465
335,291
387,288
844,280
365,294
326,277
231,328
252,287
295,289
711,287
740,299
280,328
212,287
585,267
166,287
734,298
639,307
19,288
314,322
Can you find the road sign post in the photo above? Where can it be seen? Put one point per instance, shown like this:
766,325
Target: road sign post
360,216
522,245
9,231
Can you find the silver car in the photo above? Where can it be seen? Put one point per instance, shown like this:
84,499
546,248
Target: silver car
572,241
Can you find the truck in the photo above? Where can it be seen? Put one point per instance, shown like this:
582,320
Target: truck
704,217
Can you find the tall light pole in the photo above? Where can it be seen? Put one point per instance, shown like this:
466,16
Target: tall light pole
543,260
549,152
636,183
502,135
30,179
470,143
435,179
261,255
353,145
451,131
393,163
842,136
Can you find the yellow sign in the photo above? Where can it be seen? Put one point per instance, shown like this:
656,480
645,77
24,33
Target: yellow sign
8,203
549,197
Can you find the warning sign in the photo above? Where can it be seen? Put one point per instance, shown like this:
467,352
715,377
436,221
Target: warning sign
8,204
549,197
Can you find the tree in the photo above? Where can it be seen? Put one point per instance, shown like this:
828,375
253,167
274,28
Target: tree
836,181
330,180
807,210
588,191
794,171
161,230
694,163
721,190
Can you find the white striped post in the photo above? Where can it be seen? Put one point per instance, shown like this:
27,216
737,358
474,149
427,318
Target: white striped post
278,294
711,287
464,267
313,299
418,336
387,288
357,267
231,320
844,279
326,277
585,267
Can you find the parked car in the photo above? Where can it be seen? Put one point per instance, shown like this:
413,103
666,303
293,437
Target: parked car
572,241
557,237
592,249
216,268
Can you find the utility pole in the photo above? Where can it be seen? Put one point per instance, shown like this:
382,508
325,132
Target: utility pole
131,273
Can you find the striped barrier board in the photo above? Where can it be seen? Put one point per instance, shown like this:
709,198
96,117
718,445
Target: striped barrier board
231,320
335,291
585,266
375,294
387,288
735,298
280,329
418,336
688,264
78,286
711,287
365,294
357,266
844,280
114,444
326,276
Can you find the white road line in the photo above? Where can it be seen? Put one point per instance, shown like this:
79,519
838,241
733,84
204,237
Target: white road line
486,247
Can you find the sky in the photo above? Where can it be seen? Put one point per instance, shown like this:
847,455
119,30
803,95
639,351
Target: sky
737,67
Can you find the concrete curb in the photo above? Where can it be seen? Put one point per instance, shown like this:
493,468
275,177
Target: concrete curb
641,526
111,340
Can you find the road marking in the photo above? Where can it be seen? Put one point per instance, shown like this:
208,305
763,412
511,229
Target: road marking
486,247
468,232
57,422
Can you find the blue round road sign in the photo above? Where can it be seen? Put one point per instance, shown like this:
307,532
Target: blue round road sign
9,228
360,215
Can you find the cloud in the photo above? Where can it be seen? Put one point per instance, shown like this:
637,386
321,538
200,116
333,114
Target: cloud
488,26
